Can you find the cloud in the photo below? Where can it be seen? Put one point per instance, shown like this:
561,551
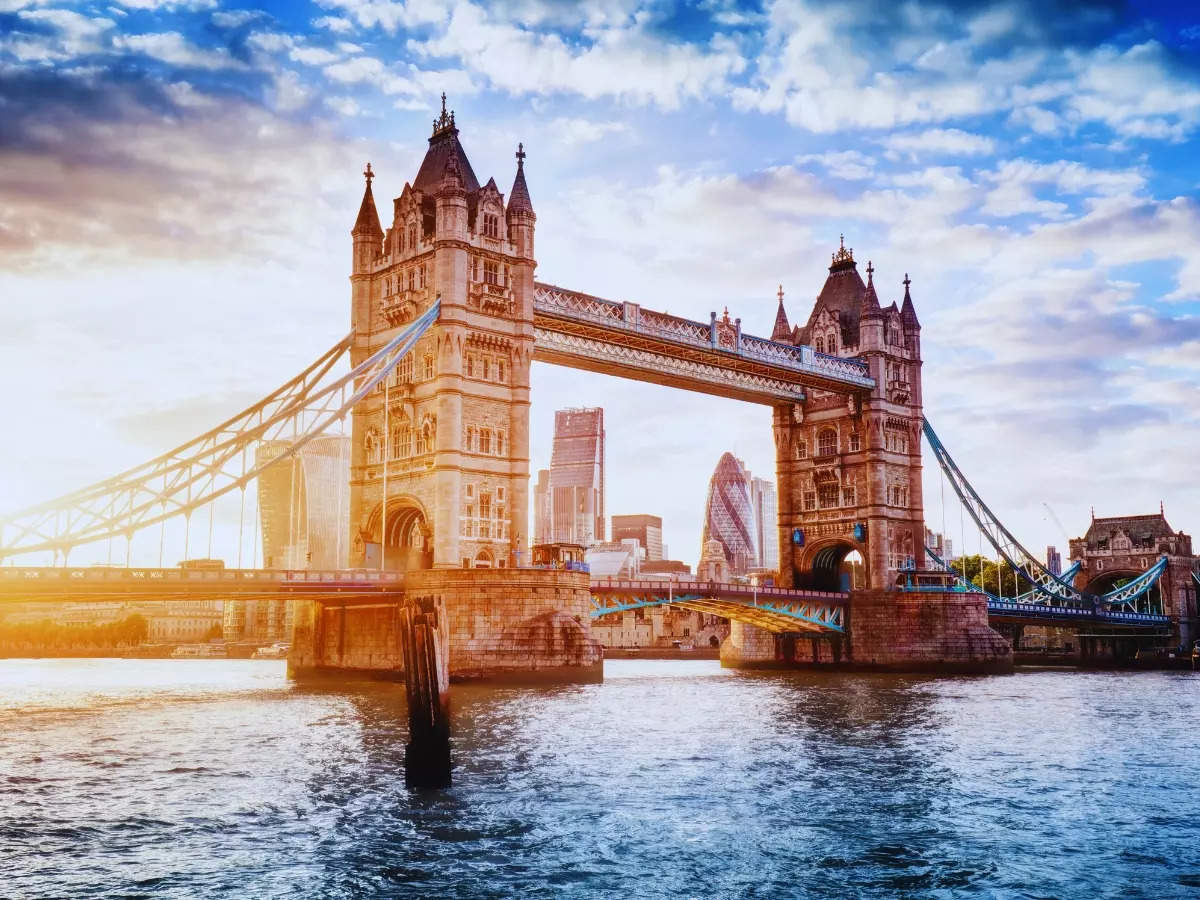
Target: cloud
573,131
625,61
173,48
849,165
389,15
202,180
938,141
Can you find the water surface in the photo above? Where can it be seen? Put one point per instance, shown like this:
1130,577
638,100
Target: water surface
219,778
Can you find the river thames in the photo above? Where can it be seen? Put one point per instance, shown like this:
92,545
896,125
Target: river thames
214,778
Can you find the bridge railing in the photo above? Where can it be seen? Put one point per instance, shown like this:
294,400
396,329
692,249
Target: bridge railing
557,301
31,575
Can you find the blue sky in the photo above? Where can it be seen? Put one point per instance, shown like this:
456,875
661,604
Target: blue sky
177,182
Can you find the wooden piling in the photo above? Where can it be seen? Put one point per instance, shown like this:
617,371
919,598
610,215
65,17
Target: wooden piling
425,638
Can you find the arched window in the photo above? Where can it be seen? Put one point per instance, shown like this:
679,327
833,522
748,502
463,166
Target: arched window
397,445
827,442
820,345
499,443
412,237
801,449
373,446
833,343
470,438
485,441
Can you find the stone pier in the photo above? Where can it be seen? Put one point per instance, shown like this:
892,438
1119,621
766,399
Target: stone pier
505,625
892,631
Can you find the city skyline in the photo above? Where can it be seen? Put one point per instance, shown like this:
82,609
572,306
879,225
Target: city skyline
1069,214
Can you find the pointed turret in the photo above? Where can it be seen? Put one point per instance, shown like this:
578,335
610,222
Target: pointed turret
367,234
870,301
519,213
444,145
368,216
782,331
518,197
908,312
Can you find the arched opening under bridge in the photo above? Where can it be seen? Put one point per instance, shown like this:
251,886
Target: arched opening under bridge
405,543
1107,581
835,567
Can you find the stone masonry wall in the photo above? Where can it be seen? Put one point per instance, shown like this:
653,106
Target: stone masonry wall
911,632
516,623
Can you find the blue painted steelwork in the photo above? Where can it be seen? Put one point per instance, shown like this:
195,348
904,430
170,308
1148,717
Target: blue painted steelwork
776,609
1020,607
1057,590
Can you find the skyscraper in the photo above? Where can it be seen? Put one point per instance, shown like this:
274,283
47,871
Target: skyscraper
577,476
542,531
762,499
646,529
304,507
729,515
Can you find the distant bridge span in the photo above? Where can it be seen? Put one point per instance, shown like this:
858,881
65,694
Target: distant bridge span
773,609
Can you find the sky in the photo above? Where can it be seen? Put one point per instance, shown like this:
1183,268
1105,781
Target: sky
178,181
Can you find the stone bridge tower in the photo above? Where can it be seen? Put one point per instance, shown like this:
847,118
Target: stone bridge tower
445,442
849,467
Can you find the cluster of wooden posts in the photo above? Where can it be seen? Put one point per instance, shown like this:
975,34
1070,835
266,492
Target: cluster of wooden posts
424,633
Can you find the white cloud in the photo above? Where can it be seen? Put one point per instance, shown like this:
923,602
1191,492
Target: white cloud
849,165
389,15
313,56
235,18
939,141
172,47
573,131
336,24
625,61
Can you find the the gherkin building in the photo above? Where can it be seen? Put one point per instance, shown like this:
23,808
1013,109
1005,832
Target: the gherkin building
729,514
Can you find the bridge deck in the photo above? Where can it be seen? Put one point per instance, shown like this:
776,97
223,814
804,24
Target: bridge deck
774,609
586,332
119,584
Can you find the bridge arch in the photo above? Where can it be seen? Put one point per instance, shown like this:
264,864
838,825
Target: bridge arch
1110,579
838,564
405,542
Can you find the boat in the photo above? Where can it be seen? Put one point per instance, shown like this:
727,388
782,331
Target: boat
278,650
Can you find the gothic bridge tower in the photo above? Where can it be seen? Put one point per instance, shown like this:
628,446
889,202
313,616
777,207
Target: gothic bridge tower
849,467
444,444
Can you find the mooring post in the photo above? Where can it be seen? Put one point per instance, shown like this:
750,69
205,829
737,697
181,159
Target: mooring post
425,638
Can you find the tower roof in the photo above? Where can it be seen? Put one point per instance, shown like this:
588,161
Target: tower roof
368,216
908,312
782,330
518,197
444,144
843,293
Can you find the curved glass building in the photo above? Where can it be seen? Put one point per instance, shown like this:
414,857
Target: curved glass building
729,514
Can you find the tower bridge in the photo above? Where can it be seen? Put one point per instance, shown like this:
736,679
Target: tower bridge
446,319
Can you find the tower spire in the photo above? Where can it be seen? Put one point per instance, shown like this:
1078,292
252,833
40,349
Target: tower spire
518,197
367,222
908,312
782,330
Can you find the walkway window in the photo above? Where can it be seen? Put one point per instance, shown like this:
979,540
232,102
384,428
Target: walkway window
828,495
827,442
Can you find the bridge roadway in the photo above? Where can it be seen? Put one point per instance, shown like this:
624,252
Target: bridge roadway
773,609
121,584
